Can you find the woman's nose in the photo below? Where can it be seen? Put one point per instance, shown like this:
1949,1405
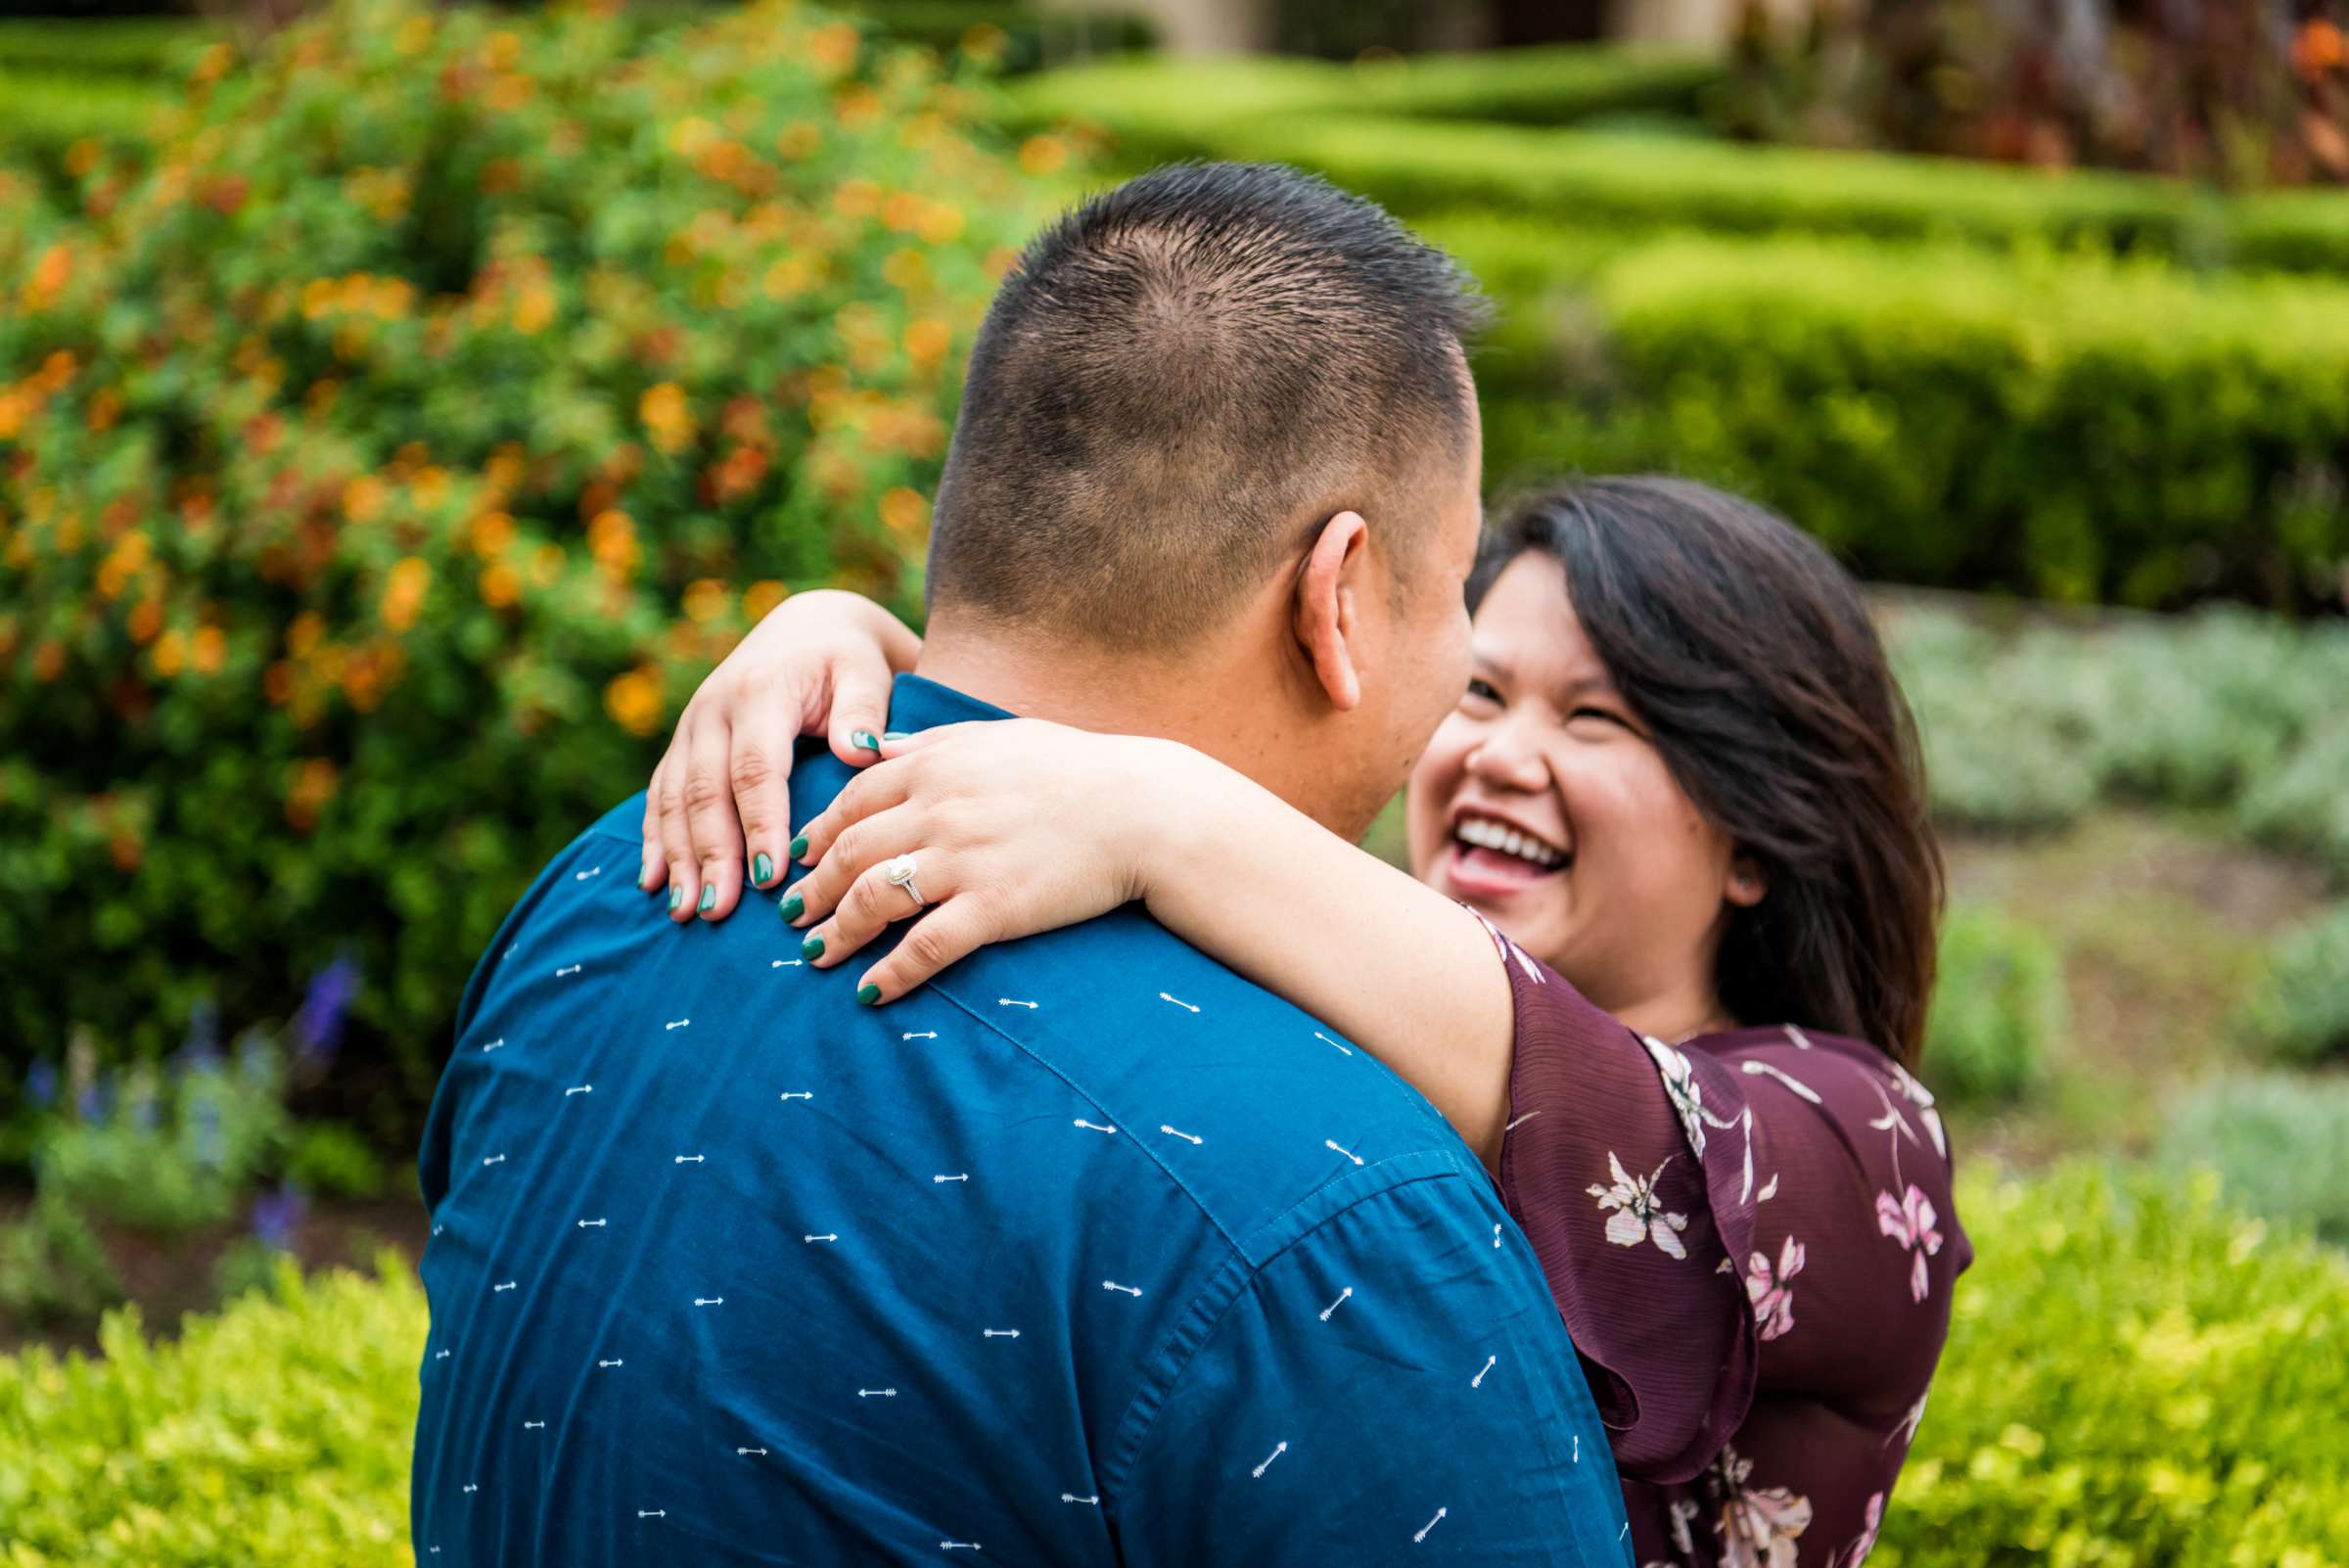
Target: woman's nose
1505,759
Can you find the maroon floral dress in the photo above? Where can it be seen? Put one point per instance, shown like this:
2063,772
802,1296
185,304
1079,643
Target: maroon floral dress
1751,1238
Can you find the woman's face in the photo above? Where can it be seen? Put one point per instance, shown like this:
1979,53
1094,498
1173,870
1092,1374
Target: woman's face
1543,804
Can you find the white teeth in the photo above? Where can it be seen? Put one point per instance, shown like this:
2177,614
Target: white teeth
1490,835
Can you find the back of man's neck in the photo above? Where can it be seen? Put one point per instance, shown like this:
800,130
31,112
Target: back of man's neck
1073,686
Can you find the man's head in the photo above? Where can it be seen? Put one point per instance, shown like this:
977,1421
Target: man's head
1218,425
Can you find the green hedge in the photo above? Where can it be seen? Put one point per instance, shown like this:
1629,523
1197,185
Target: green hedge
273,1435
118,46
2135,1374
2279,1141
2072,428
2000,1010
382,465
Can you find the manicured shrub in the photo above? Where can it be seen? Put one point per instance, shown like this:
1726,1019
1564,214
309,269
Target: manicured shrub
381,468
2001,753
2135,1374
2070,429
2302,807
274,1434
2302,1012
1999,1008
2279,1142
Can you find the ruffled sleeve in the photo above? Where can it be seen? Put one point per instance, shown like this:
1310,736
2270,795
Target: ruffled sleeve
1672,1195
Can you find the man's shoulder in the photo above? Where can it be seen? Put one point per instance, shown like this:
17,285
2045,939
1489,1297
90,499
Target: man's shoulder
1260,1111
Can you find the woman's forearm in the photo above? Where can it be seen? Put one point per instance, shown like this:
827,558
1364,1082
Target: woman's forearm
1401,969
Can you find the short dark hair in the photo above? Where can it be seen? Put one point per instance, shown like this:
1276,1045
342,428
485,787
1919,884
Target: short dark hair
1749,652
1173,372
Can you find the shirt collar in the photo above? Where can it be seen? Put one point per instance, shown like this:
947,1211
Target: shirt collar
917,704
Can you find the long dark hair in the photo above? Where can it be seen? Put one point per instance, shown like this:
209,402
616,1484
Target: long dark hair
1749,655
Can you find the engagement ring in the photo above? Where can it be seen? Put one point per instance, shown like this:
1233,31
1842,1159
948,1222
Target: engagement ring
900,872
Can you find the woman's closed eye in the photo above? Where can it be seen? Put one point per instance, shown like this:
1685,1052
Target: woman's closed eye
1482,690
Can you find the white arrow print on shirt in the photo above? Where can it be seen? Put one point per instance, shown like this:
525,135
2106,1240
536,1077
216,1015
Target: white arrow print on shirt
965,1176
528,1425
1431,1524
1477,1381
920,1033
581,876
999,1333
508,1285
829,1237
494,1044
1110,1284
708,1301
1177,1000
1349,1153
1071,1497
787,963
679,1023
1013,1002
579,1089
615,1362
471,1487
1497,1235
761,1452
566,969
598,1224
1091,1128
1191,1137
442,1357
876,1392
800,1094
652,1513
691,1159
958,1545
1335,1304
1258,1471
494,1158
1324,1038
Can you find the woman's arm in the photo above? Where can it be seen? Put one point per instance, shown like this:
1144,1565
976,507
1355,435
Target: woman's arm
820,663
1020,826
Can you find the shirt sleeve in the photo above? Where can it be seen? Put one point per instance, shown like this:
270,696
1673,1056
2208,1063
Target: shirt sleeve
1392,1388
1673,1197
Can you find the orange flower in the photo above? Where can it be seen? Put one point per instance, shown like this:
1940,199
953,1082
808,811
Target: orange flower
633,701
500,585
927,339
168,654
403,592
705,600
363,499
667,417
492,532
304,633
277,682
1043,155
941,224
146,620
48,660
2318,48
906,513
799,138
762,596
832,49
309,784
208,650
857,199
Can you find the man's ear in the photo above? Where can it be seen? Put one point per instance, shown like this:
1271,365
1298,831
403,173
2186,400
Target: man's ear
1324,615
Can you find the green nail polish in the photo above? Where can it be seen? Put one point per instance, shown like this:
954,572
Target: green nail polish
762,868
812,947
866,739
676,896
868,995
897,734
709,897
793,907
799,846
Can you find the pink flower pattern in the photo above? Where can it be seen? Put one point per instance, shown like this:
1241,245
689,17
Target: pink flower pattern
1908,1220
1772,1296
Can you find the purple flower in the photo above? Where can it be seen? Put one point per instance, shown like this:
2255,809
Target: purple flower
275,1214
318,1027
40,1083
199,1052
96,1101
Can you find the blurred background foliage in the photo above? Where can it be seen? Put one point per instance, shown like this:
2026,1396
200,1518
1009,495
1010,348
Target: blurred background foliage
400,407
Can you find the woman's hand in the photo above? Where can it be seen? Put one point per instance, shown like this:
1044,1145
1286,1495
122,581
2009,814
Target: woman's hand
820,663
1015,826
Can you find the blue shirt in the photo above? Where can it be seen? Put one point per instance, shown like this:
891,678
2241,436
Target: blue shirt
1088,1252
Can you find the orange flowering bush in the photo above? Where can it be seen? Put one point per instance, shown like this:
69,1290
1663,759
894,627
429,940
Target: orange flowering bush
385,457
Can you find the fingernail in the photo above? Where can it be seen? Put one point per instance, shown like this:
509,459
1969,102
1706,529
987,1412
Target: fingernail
865,738
799,846
897,734
709,897
868,993
762,868
793,907
811,947
676,896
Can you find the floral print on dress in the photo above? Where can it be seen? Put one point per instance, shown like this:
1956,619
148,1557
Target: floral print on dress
1639,1215
1758,1525
1773,1296
1908,1220
1853,1555
1687,1094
